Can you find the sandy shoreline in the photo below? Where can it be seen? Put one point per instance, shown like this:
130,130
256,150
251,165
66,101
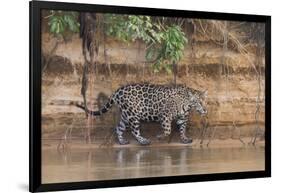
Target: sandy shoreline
215,143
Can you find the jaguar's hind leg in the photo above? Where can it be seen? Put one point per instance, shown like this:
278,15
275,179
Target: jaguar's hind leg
181,124
135,125
166,126
120,129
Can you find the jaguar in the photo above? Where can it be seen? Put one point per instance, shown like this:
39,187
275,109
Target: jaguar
158,103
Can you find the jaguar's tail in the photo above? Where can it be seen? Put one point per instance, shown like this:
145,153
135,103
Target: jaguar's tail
103,110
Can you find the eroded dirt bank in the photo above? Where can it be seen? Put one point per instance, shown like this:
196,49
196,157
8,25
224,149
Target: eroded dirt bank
233,89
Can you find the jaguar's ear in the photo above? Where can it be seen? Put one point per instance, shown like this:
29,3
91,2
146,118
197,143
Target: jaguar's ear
204,94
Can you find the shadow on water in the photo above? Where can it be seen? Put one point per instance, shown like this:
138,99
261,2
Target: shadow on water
119,163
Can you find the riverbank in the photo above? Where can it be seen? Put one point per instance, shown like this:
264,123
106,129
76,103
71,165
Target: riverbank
207,143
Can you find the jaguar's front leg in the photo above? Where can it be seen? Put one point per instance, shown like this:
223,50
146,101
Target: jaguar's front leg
181,124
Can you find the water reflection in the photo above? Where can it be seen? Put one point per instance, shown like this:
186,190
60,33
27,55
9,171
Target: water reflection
118,163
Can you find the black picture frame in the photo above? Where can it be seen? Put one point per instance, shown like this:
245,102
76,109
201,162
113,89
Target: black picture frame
35,183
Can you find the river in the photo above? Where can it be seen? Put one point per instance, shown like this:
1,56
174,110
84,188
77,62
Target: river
84,164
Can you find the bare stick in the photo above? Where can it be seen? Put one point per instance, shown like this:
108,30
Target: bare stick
212,135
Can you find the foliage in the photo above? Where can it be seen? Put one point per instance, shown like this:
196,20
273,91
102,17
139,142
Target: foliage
164,44
63,23
130,28
171,48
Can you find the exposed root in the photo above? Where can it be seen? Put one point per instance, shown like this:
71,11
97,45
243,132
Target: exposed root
87,133
65,140
212,135
205,125
67,137
258,100
239,134
108,140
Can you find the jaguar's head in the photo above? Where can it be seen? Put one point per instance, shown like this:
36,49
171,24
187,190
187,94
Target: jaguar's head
198,102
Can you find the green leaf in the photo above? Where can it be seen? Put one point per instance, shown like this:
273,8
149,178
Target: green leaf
62,21
53,27
57,28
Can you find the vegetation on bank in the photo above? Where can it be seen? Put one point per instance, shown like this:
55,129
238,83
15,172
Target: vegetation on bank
164,39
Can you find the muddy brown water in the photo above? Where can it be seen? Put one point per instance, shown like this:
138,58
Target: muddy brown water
94,164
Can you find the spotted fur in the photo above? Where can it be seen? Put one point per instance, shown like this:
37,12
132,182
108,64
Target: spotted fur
160,103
